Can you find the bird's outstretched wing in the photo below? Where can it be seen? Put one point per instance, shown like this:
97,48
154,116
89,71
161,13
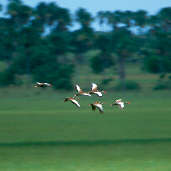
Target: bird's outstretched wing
38,83
86,94
94,87
100,107
121,105
78,88
98,93
75,102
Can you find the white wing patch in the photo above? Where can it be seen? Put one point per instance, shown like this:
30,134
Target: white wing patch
75,102
100,107
94,86
86,94
121,104
78,88
98,93
47,84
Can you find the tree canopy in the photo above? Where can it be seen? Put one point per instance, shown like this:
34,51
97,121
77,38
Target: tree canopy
39,42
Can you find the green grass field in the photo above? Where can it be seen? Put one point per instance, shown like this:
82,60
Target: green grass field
38,131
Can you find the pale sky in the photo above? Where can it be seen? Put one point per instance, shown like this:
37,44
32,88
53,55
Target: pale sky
93,6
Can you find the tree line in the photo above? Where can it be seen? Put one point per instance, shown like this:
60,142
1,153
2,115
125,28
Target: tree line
39,42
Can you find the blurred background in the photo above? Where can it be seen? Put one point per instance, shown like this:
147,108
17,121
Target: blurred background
49,43
124,47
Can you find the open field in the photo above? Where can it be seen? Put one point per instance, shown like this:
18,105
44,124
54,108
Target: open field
134,72
38,131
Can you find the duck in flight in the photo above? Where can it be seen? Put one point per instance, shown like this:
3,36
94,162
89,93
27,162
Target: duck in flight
80,91
120,103
98,105
94,90
43,85
72,100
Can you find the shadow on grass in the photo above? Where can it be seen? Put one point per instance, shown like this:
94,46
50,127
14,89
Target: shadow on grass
87,142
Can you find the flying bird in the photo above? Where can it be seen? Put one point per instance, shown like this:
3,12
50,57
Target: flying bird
80,91
94,90
120,103
38,84
97,105
72,100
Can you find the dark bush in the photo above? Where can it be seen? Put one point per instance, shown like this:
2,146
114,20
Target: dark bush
163,85
58,75
106,81
128,85
7,78
101,62
152,64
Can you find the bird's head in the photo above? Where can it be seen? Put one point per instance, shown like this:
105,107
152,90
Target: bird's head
66,99
48,84
104,91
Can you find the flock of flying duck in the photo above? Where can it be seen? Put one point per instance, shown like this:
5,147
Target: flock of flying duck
80,92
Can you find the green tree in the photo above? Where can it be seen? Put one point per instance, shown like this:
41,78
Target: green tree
50,15
164,18
19,16
122,39
141,18
157,53
112,19
31,49
19,13
2,35
124,45
104,58
82,39
84,18
64,19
